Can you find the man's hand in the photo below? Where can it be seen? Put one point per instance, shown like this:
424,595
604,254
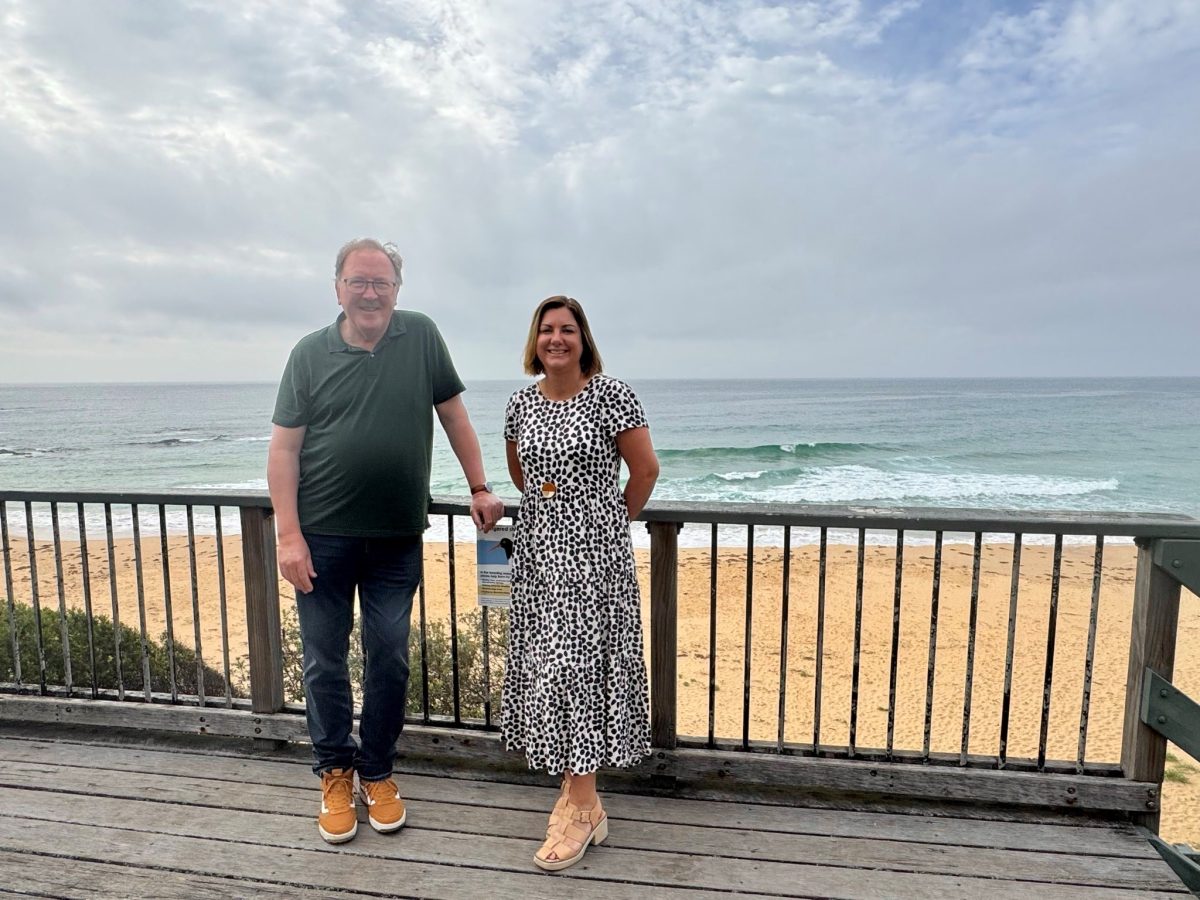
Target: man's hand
295,564
486,510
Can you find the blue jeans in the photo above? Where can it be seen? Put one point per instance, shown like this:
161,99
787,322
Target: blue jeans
385,572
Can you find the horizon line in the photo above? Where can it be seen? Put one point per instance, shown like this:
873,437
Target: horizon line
759,378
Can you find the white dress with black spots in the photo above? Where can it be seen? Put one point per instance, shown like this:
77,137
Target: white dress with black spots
575,695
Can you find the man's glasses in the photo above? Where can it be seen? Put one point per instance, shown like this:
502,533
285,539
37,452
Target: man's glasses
360,285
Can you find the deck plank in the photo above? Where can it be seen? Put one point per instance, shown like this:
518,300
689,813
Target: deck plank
289,834
1087,836
321,869
39,876
372,875
95,818
211,799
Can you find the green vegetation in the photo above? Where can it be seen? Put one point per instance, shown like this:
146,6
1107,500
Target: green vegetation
472,692
470,664
1177,770
473,686
105,675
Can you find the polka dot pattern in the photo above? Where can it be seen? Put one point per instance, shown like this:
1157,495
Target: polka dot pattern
575,691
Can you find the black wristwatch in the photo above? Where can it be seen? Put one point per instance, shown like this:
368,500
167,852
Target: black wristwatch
479,488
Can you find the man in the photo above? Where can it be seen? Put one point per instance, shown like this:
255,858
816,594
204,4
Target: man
348,470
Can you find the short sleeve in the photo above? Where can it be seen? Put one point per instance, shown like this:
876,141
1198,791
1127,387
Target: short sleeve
292,408
443,376
622,409
512,417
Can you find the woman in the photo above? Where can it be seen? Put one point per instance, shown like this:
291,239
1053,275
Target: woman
575,693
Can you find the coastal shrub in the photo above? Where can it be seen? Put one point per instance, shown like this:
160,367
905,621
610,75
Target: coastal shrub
105,675
471,676
472,692
473,686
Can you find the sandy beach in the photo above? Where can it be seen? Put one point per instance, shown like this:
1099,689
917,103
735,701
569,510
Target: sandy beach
1181,802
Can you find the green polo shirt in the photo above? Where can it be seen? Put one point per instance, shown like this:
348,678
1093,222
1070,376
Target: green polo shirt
368,444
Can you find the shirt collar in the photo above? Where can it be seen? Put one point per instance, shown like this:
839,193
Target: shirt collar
335,343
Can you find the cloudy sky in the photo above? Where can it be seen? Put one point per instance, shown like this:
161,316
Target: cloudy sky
805,189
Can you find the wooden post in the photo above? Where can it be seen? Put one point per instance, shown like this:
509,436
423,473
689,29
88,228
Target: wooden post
1151,646
664,605
262,615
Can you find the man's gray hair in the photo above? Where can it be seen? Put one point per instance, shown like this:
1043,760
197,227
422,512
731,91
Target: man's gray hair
390,249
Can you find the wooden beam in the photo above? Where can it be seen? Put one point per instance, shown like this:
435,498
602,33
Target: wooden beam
1181,560
263,632
785,779
260,499
1006,521
1171,713
664,607
1151,648
155,717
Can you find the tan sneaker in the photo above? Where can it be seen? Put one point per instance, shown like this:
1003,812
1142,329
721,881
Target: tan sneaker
385,809
338,821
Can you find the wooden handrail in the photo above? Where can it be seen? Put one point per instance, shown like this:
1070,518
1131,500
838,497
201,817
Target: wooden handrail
811,515
257,499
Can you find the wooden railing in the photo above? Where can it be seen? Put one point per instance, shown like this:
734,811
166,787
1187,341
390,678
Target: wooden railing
837,751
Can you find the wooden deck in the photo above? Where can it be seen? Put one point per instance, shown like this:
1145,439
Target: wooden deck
99,813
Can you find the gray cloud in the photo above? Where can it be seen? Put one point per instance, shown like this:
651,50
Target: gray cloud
731,189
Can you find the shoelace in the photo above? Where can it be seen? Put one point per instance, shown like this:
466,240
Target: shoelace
339,793
381,790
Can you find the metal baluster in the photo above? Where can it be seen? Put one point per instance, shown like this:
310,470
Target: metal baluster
86,575
970,669
487,670
63,627
191,540
112,593
34,595
147,687
224,611
712,638
1093,616
934,600
783,632
453,622
1051,633
748,643
166,573
858,607
8,587
1006,704
820,650
895,662
424,646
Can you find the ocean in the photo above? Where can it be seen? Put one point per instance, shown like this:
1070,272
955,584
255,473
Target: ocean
1119,444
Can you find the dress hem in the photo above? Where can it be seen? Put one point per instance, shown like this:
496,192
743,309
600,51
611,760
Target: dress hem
623,762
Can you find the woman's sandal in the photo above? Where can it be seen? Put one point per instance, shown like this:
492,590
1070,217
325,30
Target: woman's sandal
572,830
561,802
